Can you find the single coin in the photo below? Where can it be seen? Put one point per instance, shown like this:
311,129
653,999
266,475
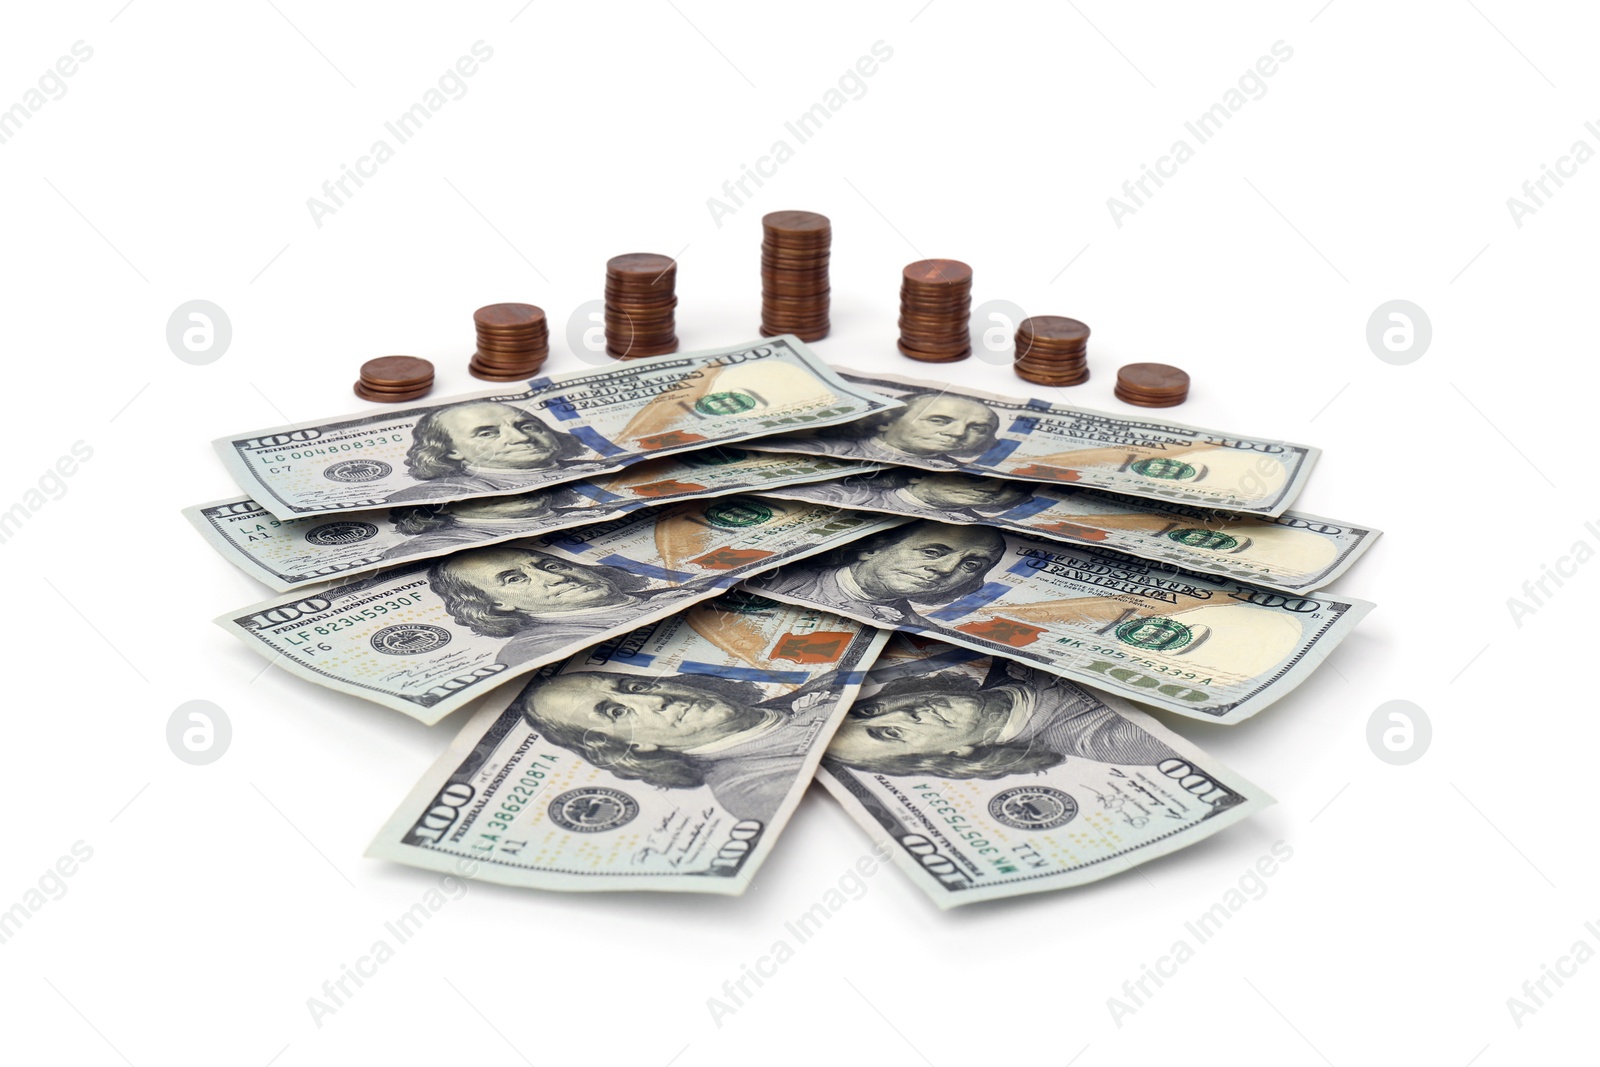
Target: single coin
933,357
1032,374
787,300
1054,328
519,357
492,363
634,347
937,272
507,315
815,334
386,397
513,337
635,263
513,369
389,390
807,222
660,302
939,306
1146,402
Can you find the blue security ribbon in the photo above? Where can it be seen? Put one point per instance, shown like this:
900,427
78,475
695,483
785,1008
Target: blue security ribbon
987,594
742,674
592,491
1027,508
661,574
999,451
595,440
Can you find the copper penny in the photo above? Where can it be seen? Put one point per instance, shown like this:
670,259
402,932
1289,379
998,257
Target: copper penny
648,264
1153,378
803,222
937,272
502,316
396,371
1053,328
388,398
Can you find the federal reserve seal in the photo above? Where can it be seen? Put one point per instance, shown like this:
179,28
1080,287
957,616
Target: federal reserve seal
1155,634
357,470
334,534
733,403
1171,470
740,511
714,457
1033,807
742,603
593,810
1215,540
410,639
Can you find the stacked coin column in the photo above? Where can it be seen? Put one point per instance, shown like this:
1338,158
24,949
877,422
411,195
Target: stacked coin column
1052,350
393,379
640,298
1152,385
794,274
513,342
935,309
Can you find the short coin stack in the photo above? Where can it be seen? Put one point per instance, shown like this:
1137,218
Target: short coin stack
393,379
1052,350
640,296
794,274
513,342
1152,385
935,306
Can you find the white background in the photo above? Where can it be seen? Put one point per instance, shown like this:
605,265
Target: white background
1377,165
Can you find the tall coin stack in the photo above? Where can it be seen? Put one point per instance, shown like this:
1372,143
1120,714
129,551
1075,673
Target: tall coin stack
1052,350
794,274
513,342
935,305
640,296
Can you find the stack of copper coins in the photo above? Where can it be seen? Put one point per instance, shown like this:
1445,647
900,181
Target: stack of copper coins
935,305
392,379
1152,385
639,301
513,342
1052,350
794,274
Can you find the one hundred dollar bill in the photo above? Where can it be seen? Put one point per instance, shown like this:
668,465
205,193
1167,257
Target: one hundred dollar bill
556,430
984,778
1293,552
289,554
667,759
426,637
948,429
1210,649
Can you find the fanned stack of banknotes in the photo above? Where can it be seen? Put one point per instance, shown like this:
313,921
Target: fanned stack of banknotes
685,586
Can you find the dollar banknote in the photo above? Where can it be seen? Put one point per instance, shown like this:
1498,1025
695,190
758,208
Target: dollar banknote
1293,552
667,759
948,429
288,554
426,637
984,778
1207,648
555,430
